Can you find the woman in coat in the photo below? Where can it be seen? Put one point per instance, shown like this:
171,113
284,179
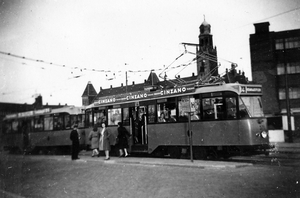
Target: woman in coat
104,144
123,135
94,138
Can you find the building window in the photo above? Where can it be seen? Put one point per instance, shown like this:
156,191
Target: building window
279,44
292,68
294,93
281,94
292,42
280,69
287,43
85,101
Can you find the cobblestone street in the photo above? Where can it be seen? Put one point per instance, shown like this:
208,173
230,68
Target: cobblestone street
55,177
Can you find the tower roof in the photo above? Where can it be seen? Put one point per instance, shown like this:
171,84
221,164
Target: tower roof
205,28
89,90
152,79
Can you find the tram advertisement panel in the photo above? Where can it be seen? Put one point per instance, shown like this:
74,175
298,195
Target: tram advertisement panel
131,96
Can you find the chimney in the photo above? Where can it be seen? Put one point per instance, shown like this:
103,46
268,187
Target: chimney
261,28
110,86
38,104
132,82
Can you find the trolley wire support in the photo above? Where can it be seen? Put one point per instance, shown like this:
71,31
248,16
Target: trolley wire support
190,134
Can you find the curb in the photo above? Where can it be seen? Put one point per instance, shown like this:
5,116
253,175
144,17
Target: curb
200,164
177,163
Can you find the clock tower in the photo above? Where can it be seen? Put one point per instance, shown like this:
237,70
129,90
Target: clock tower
207,62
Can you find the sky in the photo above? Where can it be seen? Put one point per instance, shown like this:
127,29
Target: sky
54,48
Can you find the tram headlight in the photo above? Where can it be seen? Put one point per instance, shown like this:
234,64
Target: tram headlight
264,134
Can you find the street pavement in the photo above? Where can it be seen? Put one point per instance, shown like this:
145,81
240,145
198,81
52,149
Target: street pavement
85,156
284,147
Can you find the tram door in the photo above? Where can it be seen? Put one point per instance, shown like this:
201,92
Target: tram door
139,125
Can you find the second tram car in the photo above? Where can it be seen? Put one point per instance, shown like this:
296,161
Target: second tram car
223,119
42,131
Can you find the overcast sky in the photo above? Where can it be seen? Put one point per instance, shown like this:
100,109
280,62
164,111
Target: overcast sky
66,44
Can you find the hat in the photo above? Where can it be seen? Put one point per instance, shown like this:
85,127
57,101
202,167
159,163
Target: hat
75,126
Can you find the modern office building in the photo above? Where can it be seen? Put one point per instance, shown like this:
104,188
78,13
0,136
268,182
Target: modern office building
275,61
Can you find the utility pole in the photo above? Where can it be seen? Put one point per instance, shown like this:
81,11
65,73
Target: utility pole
126,80
287,99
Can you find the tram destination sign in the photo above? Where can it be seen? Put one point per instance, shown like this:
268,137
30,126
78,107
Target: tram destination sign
251,89
140,95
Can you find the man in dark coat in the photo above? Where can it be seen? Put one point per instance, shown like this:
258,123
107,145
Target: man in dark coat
75,143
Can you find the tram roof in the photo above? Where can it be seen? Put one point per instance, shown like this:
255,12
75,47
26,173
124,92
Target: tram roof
122,98
73,110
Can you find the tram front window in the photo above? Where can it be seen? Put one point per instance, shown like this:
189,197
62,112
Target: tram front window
251,105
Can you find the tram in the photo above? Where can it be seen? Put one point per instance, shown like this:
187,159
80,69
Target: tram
218,120
42,131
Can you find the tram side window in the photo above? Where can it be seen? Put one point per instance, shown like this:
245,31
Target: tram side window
78,119
15,126
189,104
126,116
151,113
7,127
184,108
38,123
114,116
67,121
58,122
166,110
74,120
89,118
48,123
231,107
195,107
99,117
213,108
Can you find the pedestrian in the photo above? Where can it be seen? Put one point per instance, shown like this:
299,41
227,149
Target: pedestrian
74,136
104,143
94,137
122,139
162,117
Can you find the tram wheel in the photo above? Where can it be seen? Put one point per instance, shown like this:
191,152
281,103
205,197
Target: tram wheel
175,152
200,153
